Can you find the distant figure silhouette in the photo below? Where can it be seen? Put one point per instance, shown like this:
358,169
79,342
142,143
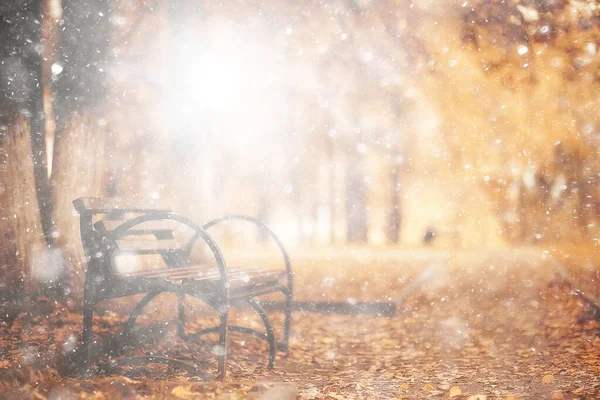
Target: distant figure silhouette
429,235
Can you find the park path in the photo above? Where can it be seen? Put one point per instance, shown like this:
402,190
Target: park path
491,324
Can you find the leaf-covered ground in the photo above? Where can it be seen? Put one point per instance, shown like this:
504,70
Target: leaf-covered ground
489,325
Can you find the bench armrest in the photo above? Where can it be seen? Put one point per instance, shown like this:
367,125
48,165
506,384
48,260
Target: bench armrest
264,227
96,205
200,233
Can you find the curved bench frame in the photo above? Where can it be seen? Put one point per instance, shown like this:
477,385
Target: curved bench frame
255,305
289,290
100,283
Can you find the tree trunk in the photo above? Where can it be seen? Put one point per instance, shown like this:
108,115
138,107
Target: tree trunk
82,170
40,166
37,123
22,244
80,86
522,212
356,201
332,191
50,66
263,210
78,143
395,214
25,197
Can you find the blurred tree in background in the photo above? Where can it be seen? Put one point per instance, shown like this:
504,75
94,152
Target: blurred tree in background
337,122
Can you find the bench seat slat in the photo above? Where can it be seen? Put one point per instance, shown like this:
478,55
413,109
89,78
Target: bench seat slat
237,276
164,272
152,225
143,231
141,246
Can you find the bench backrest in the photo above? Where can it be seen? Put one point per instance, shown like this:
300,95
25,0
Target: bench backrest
110,249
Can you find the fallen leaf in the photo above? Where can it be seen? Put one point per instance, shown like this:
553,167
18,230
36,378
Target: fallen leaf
428,388
404,386
329,388
557,395
182,392
455,391
578,391
478,397
529,14
548,379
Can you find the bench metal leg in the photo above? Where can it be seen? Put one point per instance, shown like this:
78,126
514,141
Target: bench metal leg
181,315
135,314
88,315
144,302
222,328
270,335
222,364
284,346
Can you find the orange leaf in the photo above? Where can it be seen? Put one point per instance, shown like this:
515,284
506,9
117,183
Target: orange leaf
548,379
455,391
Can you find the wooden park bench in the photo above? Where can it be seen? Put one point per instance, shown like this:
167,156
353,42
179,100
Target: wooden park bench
157,245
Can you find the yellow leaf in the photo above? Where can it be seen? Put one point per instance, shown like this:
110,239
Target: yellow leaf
557,395
455,391
548,379
428,387
404,386
182,392
511,397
